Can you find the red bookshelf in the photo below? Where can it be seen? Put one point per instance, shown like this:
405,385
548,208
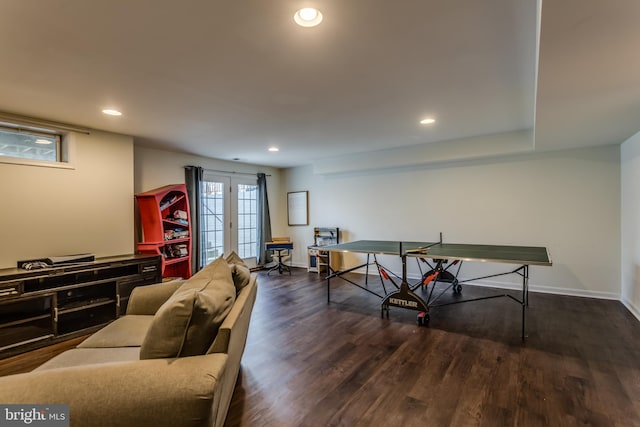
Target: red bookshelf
166,228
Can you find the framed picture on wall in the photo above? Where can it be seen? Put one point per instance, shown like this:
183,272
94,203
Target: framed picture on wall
298,207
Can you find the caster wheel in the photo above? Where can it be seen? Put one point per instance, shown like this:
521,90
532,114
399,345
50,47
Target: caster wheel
423,318
457,288
383,311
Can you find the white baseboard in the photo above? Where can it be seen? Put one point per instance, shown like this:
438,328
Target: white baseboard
548,289
533,288
631,307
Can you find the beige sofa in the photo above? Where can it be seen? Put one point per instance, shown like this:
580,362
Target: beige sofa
118,377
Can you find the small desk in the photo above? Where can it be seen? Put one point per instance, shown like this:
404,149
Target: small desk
277,248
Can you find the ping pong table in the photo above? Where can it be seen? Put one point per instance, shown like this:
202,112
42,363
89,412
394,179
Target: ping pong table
446,261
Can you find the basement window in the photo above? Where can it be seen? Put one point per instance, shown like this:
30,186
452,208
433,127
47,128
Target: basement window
31,146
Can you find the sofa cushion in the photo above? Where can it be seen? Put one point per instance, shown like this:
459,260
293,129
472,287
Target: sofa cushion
126,331
239,271
187,323
241,276
91,356
234,258
148,299
184,392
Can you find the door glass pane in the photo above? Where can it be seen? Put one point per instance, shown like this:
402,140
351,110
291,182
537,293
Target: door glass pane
247,220
212,245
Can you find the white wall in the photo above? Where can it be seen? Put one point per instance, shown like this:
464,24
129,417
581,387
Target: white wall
630,219
156,168
51,211
568,201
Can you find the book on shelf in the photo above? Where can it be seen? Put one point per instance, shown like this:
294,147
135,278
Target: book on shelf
167,201
177,250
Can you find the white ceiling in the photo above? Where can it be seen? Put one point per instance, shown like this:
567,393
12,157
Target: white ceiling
228,79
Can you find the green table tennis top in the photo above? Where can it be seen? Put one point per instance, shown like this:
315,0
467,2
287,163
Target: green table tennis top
525,255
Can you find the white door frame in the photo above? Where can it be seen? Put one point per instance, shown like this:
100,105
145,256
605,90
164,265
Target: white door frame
230,211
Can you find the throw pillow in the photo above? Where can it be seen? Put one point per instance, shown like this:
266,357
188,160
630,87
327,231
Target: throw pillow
239,271
187,323
234,258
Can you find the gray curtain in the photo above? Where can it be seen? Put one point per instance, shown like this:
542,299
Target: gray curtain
264,222
193,180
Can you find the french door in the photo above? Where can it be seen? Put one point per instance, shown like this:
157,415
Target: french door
229,218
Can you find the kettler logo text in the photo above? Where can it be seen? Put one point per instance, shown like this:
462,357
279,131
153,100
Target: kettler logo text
40,415
403,302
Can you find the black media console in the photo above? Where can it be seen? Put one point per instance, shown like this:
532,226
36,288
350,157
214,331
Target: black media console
41,307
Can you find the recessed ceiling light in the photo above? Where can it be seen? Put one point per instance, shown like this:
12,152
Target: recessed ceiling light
427,121
308,17
43,141
274,149
111,112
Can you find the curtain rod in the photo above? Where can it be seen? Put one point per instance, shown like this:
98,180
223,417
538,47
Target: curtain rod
38,124
233,172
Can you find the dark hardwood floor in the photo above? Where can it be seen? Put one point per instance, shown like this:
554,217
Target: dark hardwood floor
307,363
311,364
